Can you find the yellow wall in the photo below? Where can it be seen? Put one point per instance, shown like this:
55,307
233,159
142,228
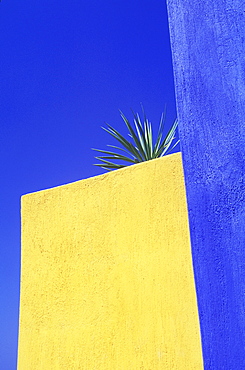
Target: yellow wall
107,280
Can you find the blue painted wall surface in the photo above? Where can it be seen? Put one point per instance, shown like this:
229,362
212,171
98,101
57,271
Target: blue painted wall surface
207,39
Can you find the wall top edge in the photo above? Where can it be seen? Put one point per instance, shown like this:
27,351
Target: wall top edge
110,174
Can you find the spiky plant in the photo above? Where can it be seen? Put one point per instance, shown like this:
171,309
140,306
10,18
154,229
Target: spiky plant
141,147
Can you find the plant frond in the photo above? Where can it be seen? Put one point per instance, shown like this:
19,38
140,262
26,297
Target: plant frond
141,147
129,146
165,145
133,135
116,156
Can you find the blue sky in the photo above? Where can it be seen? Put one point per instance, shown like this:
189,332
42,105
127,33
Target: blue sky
66,69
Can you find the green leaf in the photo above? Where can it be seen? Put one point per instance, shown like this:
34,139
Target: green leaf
167,141
117,156
129,146
133,135
141,147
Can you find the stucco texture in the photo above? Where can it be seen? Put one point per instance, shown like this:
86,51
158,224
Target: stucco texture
107,279
208,44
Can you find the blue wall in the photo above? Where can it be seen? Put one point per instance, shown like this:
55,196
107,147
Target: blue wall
207,39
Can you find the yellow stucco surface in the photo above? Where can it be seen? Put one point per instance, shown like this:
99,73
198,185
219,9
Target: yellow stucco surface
107,280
